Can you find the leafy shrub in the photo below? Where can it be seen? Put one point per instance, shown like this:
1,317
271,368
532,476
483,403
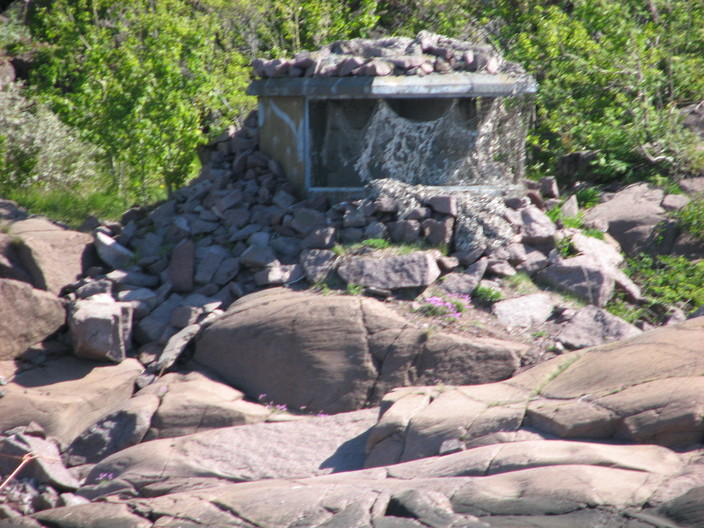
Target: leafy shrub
37,149
669,281
142,80
588,197
486,295
691,218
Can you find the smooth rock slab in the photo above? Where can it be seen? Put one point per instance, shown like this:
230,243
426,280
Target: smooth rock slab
27,316
338,353
402,271
64,396
301,448
195,402
646,389
53,256
509,485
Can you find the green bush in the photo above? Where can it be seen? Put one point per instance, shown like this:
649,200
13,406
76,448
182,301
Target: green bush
37,149
691,218
669,281
141,80
486,295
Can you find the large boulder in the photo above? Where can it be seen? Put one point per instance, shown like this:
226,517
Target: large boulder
51,255
64,396
339,353
27,316
632,215
646,389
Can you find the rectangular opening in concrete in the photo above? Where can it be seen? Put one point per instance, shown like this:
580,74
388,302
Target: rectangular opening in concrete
420,141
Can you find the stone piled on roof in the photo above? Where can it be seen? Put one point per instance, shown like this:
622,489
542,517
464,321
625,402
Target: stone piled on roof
426,54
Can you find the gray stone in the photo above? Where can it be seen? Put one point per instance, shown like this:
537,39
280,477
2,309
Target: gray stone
593,326
124,427
52,256
283,199
47,467
209,264
693,186
570,208
631,215
279,274
258,257
500,268
407,231
101,330
307,220
94,287
286,248
444,205
132,278
236,218
438,232
183,316
152,327
403,271
582,276
112,252
317,264
27,316
465,283
323,238
340,352
431,508
65,396
354,217
527,311
376,230
350,235
227,271
674,202
259,239
143,301
175,347
538,229
548,187
181,266
197,401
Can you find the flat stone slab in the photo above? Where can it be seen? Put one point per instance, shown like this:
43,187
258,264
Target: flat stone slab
392,273
643,390
64,396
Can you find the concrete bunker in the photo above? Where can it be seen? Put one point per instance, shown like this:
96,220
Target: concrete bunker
431,110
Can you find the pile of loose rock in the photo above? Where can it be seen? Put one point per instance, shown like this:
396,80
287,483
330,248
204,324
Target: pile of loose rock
427,53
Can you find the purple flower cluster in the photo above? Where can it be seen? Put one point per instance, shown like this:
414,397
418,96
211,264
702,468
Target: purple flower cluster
447,307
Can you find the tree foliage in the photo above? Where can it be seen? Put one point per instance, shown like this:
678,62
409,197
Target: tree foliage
143,80
146,81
